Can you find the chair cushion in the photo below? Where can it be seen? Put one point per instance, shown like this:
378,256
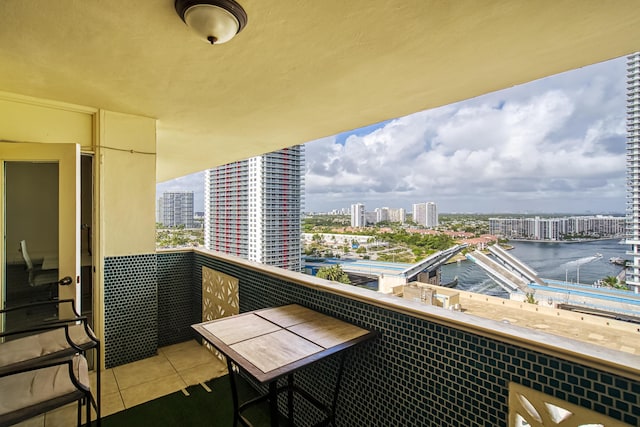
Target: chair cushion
41,385
41,344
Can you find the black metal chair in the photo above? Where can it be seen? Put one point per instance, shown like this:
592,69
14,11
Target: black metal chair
44,386
39,347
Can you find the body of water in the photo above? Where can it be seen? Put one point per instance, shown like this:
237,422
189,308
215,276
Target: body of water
559,261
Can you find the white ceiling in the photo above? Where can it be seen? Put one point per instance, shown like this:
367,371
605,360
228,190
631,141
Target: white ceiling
301,69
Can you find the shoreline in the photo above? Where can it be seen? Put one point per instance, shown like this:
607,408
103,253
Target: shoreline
566,241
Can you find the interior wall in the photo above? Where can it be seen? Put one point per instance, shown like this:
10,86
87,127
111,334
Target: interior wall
31,209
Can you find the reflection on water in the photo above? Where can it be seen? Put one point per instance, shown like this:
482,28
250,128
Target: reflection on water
559,261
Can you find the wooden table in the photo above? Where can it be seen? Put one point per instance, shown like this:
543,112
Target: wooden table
273,343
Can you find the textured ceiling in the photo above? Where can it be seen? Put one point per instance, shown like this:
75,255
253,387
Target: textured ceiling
301,69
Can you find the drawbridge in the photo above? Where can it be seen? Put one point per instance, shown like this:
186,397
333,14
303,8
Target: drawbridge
432,262
508,271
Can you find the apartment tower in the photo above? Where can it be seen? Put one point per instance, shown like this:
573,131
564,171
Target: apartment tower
425,214
357,215
176,208
633,169
253,208
432,215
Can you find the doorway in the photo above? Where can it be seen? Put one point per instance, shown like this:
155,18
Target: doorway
40,226
31,233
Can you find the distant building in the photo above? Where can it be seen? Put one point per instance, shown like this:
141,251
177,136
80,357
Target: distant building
382,214
357,215
398,215
420,214
425,214
633,169
253,208
370,218
176,208
432,215
537,228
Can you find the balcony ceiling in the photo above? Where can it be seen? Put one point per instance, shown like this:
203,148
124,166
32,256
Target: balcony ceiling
301,69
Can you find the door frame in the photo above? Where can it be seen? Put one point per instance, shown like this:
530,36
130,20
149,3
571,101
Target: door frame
68,157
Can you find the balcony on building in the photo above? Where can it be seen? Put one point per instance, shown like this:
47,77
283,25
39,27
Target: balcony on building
130,86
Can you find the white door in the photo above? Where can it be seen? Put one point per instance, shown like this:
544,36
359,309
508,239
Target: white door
40,222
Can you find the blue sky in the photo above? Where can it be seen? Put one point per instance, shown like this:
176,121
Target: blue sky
552,145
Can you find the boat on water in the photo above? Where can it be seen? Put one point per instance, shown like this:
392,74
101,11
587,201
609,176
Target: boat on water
617,261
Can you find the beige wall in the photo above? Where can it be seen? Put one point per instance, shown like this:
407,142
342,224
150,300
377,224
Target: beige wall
127,182
28,119
125,151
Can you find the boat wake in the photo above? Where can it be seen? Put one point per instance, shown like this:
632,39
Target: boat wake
581,261
485,287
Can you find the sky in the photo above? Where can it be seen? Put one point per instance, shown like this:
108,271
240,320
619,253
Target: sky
549,146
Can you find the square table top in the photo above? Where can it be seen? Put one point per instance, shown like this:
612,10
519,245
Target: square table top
273,342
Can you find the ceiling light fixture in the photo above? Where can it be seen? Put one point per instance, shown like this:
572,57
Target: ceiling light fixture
216,21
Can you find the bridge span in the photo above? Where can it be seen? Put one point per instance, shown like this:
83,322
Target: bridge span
508,271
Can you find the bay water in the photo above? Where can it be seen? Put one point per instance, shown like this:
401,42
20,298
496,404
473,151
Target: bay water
570,261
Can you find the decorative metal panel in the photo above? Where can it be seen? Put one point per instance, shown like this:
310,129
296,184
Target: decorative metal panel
219,298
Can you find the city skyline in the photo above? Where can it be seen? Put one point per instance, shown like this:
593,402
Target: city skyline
553,145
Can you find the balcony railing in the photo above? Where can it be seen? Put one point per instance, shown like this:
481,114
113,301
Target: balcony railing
429,367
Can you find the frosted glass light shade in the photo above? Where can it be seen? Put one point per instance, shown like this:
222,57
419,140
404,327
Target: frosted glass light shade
212,21
216,21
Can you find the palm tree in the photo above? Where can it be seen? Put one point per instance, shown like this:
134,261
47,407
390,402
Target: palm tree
334,273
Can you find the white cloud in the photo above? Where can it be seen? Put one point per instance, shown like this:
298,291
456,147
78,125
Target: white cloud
553,145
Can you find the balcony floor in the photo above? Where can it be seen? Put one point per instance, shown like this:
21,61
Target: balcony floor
174,368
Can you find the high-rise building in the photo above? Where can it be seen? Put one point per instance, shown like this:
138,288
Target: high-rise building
432,215
633,169
253,208
425,214
397,215
382,214
420,213
176,208
357,215
557,228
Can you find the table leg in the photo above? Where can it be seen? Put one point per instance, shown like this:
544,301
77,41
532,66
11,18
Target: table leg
234,392
290,399
336,391
273,402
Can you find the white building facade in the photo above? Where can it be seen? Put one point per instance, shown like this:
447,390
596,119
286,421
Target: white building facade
253,208
598,226
432,215
425,214
633,170
357,215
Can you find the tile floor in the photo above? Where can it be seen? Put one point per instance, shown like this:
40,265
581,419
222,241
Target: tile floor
174,368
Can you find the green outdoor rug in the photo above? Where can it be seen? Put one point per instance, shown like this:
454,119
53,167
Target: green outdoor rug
200,408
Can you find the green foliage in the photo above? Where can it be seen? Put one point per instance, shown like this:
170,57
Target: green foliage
530,298
334,273
613,282
323,223
176,237
361,250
